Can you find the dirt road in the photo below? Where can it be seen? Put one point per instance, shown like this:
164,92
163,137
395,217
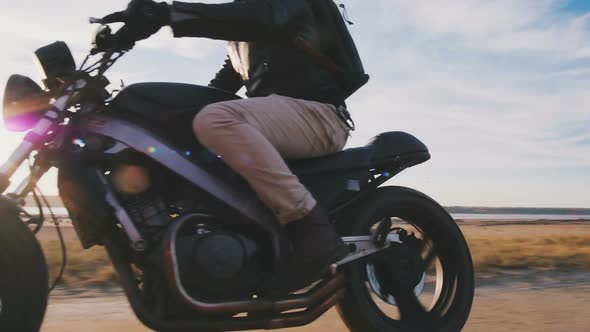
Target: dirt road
542,306
527,301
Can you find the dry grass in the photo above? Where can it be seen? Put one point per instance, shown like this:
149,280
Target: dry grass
559,253
498,248
85,267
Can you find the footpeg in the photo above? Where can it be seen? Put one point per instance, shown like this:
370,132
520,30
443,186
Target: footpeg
363,246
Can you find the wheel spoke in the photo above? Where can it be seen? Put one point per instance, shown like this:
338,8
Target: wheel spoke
409,305
411,310
429,256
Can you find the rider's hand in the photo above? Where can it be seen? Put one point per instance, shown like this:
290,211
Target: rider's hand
142,19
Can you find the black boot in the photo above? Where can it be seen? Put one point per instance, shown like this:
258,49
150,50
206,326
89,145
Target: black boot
316,246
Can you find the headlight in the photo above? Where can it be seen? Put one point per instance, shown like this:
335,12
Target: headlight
24,102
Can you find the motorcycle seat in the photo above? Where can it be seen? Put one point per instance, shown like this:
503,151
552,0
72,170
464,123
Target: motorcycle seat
385,151
170,107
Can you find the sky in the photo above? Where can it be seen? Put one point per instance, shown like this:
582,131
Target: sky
498,89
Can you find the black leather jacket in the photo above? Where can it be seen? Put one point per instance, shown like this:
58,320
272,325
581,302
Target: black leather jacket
262,55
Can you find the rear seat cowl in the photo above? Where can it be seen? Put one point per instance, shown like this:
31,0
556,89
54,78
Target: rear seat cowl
394,144
384,151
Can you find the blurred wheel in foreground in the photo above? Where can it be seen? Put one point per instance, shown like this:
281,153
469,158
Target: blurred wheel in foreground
23,276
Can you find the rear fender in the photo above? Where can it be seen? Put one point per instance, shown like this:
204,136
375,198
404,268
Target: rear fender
347,214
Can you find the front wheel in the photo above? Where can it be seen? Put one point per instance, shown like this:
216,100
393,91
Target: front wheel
23,276
424,283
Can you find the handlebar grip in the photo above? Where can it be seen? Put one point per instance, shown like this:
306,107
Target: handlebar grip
118,17
94,20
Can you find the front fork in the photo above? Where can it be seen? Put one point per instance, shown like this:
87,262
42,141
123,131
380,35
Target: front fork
34,138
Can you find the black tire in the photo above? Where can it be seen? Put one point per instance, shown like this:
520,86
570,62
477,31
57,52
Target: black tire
359,309
23,276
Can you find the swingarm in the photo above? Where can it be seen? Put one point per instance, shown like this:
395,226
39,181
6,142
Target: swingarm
364,246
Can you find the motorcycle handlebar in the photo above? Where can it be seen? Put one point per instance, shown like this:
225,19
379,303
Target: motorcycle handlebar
103,41
117,17
107,41
104,38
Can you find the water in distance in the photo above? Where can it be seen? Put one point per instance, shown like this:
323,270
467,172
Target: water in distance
474,216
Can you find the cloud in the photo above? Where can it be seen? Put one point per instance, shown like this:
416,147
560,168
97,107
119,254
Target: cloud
495,88
499,26
498,89
482,82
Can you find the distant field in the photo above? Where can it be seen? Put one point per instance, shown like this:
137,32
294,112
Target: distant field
85,267
547,247
496,249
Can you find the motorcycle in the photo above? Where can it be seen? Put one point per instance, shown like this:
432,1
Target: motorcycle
193,246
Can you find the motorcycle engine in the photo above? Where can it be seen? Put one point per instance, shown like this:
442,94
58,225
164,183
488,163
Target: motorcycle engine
205,258
207,262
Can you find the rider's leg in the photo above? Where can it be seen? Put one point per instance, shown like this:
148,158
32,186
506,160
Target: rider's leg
252,136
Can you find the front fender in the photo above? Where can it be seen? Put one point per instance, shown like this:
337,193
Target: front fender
7,205
83,196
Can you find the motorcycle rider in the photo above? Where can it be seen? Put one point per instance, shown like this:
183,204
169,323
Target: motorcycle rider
292,111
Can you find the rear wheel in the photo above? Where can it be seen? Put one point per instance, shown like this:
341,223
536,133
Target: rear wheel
424,283
23,276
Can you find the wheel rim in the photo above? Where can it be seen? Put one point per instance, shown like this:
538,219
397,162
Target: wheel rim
3,283
435,289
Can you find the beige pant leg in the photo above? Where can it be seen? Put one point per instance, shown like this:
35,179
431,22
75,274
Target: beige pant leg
254,135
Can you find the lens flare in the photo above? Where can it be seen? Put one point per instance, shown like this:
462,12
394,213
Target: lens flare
131,179
79,142
152,149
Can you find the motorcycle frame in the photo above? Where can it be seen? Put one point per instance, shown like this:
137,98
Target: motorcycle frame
240,198
142,141
262,313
